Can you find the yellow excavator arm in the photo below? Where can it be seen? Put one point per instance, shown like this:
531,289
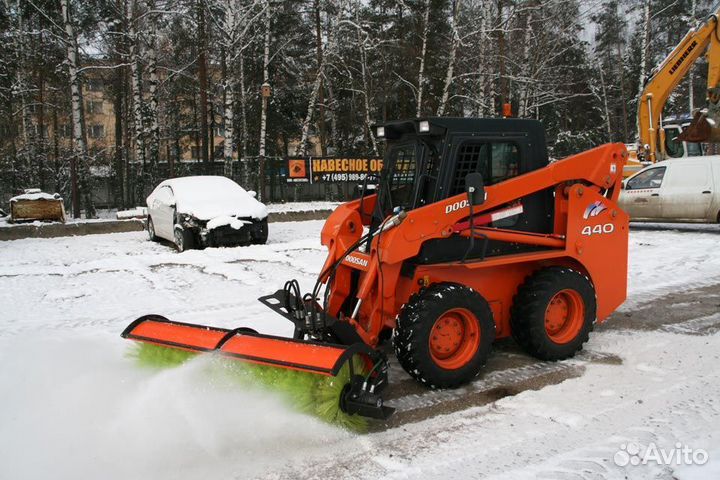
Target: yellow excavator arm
704,38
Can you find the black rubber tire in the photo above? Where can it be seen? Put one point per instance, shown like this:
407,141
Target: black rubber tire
151,230
184,239
527,319
261,237
414,325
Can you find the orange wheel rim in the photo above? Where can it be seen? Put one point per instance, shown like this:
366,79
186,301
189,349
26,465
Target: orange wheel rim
454,339
564,316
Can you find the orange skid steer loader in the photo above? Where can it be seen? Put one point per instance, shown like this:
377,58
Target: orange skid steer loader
472,236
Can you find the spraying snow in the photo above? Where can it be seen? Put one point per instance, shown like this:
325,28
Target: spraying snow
75,407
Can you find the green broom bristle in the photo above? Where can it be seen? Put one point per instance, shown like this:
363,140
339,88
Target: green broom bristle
157,356
306,392
327,398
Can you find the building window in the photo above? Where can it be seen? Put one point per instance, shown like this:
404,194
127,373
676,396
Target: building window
96,131
95,106
40,132
65,130
95,85
219,131
195,153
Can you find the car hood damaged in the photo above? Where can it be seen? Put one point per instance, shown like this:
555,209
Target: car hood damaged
223,220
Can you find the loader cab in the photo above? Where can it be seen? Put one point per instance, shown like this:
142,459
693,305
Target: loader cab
427,160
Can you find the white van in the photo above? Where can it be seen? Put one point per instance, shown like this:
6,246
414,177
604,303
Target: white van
682,190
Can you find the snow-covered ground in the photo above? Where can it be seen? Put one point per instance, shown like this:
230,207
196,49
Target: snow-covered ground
73,405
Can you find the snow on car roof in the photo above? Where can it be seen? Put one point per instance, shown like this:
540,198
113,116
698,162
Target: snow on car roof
207,197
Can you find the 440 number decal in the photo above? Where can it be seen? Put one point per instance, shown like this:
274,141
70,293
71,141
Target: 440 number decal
598,229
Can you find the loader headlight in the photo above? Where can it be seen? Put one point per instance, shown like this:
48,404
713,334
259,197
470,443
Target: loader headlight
424,126
380,132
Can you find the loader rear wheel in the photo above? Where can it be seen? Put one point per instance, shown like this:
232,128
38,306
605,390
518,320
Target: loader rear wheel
553,313
444,335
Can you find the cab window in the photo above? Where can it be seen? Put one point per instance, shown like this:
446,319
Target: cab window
651,178
496,161
673,146
694,149
403,165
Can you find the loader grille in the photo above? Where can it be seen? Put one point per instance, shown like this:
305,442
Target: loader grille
467,162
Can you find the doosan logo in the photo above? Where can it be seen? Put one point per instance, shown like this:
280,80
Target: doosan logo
357,261
453,207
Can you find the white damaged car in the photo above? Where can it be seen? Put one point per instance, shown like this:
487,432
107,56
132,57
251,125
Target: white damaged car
205,211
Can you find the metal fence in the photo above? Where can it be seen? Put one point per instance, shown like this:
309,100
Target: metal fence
105,184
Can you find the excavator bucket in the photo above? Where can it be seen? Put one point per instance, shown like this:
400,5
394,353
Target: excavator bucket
701,129
248,346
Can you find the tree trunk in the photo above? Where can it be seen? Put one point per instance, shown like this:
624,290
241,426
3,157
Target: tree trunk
644,48
423,53
152,114
366,94
321,72
137,94
80,152
623,98
691,74
203,78
605,104
455,9
264,109
243,108
501,56
228,117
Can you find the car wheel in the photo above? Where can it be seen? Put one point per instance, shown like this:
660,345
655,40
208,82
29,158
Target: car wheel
260,234
151,230
183,239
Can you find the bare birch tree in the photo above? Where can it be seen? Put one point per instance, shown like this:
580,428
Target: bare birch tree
423,54
79,161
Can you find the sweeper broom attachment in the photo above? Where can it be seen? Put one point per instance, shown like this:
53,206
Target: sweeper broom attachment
472,236
360,394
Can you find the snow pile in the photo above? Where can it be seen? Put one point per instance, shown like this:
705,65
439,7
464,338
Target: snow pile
36,196
223,220
137,212
207,197
301,206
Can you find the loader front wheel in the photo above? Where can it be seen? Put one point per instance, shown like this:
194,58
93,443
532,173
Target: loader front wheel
553,313
444,335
